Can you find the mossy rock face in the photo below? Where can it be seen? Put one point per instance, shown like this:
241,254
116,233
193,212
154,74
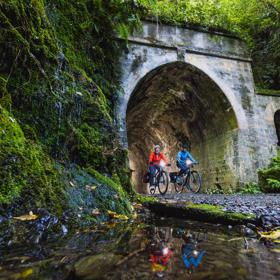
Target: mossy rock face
59,82
90,195
27,173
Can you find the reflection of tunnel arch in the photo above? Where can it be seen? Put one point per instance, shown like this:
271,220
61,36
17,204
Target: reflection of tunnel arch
178,102
277,125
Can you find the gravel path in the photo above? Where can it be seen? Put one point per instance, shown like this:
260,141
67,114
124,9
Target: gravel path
265,206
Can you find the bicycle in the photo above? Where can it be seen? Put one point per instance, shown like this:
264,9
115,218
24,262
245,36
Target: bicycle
190,180
161,180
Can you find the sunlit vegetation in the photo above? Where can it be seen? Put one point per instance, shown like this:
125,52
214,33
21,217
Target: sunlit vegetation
256,22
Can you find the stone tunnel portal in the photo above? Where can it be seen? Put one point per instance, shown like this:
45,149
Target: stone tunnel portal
277,125
177,103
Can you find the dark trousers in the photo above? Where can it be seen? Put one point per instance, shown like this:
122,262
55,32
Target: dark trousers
152,172
183,169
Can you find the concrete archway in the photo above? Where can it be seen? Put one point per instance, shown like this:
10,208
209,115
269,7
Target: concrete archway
177,102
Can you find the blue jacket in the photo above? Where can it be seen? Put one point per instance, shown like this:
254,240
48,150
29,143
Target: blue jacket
183,156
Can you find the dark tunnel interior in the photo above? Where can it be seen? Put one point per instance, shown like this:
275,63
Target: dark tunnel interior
178,103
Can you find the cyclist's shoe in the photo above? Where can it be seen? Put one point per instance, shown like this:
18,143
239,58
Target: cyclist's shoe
152,189
179,180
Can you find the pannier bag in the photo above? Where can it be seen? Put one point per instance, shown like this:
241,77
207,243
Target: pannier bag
146,178
173,177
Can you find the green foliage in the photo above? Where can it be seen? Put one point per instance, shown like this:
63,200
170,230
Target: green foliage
274,184
269,178
257,22
251,188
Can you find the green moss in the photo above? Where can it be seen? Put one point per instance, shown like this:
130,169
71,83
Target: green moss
200,212
217,212
145,199
118,188
268,92
27,173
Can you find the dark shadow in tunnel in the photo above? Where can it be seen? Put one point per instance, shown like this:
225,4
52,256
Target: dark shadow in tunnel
277,125
178,103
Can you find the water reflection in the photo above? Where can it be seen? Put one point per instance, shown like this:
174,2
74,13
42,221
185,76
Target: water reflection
164,248
160,250
192,253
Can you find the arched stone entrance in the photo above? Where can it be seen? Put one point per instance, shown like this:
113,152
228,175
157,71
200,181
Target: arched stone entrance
209,73
177,103
277,125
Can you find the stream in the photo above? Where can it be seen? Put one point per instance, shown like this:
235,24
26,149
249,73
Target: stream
156,248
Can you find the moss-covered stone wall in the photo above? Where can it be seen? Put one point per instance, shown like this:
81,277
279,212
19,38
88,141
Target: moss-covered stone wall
58,84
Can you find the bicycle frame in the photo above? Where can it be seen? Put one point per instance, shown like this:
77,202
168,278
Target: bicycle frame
187,178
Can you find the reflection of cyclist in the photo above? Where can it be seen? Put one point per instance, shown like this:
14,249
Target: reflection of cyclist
191,256
160,253
155,158
182,158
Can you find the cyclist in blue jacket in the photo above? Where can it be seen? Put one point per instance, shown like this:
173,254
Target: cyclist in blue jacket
181,159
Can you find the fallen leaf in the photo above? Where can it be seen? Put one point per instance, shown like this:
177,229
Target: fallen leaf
275,250
114,215
27,272
270,234
28,217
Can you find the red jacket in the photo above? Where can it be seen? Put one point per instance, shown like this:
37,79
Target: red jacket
155,159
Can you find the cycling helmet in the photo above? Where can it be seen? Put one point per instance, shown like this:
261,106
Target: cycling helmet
156,146
185,146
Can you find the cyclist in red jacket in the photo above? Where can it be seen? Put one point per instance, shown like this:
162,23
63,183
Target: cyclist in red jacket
155,158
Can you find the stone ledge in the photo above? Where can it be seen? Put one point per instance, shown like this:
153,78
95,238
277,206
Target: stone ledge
200,212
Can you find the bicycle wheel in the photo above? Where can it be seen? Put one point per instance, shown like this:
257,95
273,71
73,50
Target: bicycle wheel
195,182
152,189
163,182
179,184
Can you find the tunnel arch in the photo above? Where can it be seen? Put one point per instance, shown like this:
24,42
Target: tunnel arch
178,102
277,125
